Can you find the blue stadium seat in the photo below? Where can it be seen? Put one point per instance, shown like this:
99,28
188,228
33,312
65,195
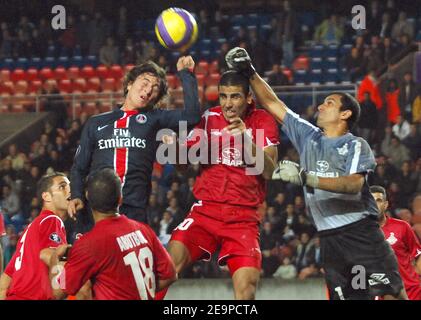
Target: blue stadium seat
301,76
35,62
22,63
49,62
91,61
316,76
316,63
77,51
331,76
331,51
238,20
331,63
264,30
345,48
317,51
63,61
205,55
77,61
204,44
51,51
9,63
252,19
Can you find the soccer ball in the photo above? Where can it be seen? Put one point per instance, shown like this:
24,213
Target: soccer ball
176,29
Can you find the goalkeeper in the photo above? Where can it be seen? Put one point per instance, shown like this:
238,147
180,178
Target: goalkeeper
333,169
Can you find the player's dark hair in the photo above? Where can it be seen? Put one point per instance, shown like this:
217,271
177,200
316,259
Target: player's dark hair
348,102
104,190
379,189
234,78
147,67
44,184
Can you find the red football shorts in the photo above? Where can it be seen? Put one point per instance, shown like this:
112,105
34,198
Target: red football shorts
202,235
2,226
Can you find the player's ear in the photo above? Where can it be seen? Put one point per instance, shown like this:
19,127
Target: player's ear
346,114
386,205
46,196
249,98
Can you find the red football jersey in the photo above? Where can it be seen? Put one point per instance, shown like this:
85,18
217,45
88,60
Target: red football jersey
123,259
407,248
2,225
226,180
29,274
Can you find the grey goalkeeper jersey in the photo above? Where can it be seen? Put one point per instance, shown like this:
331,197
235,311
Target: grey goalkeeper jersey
332,157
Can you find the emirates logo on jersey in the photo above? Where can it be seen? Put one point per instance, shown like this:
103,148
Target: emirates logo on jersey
392,239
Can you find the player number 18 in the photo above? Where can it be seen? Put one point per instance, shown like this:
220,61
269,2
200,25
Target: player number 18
142,268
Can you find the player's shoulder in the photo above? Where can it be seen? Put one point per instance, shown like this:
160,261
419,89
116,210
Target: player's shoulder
214,111
49,218
262,115
400,223
105,116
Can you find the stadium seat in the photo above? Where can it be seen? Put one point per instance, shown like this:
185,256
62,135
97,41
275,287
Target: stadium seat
90,108
202,68
9,63
109,85
50,62
50,84
21,87
91,61
87,72
65,86
213,67
7,87
63,61
60,73
213,79
316,63
300,76
94,84
103,72
18,108
116,72
51,51
79,85
73,73
35,62
301,63
22,63
331,51
288,73
172,81
211,93
4,75
331,76
35,86
77,61
177,96
200,80
46,73
316,77
31,74
345,49
331,63
317,51
17,74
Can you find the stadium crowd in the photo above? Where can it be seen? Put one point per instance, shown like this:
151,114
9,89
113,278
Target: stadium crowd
390,121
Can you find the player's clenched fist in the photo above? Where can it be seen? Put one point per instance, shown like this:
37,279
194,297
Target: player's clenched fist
236,126
185,62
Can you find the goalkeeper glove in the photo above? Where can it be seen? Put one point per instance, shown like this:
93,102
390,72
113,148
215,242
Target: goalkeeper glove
289,171
239,60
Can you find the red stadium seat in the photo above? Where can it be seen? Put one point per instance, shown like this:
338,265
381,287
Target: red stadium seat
88,72
35,86
103,72
31,74
4,75
108,85
94,84
213,79
50,85
18,74
19,108
172,81
21,87
288,73
60,73
211,93
65,86
301,63
116,72
201,94
128,67
119,85
200,80
201,68
7,87
73,73
46,73
214,67
79,85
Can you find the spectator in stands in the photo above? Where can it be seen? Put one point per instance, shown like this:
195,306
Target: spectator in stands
413,142
108,54
402,27
164,232
275,219
10,204
392,101
280,202
354,64
407,95
98,30
392,148
6,46
83,34
314,266
391,10
269,242
389,50
301,260
329,31
368,119
360,45
18,158
222,24
130,52
288,24
204,23
401,128
222,64
154,213
274,40
122,25
7,173
29,190
374,18
370,84
286,270
68,37
416,108
407,181
277,77
25,27
386,26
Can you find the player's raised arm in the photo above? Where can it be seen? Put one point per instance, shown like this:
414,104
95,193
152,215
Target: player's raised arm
191,111
238,59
